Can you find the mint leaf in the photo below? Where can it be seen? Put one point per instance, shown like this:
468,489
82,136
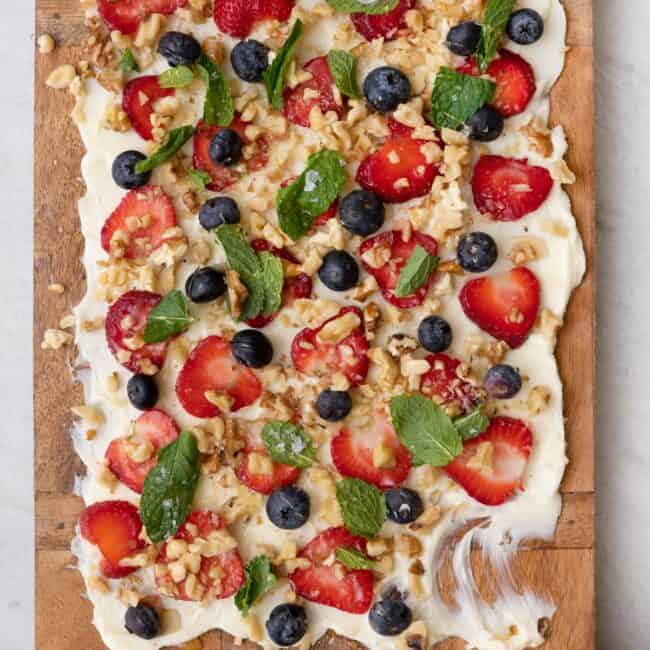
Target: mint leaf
353,559
343,67
127,62
362,505
259,579
471,425
272,279
173,141
275,73
169,488
456,97
218,109
495,19
363,6
415,273
200,178
300,202
168,318
177,77
289,444
425,429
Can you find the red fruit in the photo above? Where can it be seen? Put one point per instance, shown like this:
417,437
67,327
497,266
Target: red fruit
320,584
114,527
314,357
127,319
505,305
211,366
384,26
148,202
237,17
508,189
220,576
154,427
511,442
297,108
126,15
222,176
400,252
379,174
140,94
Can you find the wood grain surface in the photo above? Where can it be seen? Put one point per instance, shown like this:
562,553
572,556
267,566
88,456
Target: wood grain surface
563,569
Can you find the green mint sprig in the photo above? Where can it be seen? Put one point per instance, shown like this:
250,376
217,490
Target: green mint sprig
218,109
172,143
200,178
274,75
177,77
127,62
168,318
416,272
495,19
472,425
353,559
343,67
259,579
362,505
289,444
363,7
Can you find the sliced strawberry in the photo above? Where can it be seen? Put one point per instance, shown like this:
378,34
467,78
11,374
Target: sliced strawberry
505,305
154,428
238,17
211,366
114,527
140,94
125,322
321,584
222,176
384,26
511,442
219,576
297,107
156,214
126,15
508,189
314,357
398,171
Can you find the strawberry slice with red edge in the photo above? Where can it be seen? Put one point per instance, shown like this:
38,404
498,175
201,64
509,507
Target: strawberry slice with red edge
398,171
505,305
155,213
297,107
127,15
386,26
222,176
400,253
155,428
114,527
349,356
126,322
212,366
219,576
511,443
507,189
140,94
320,584
238,17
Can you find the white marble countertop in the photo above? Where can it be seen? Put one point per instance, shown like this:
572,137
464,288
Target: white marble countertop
623,450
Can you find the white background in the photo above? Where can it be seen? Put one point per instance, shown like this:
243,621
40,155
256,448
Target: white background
623,163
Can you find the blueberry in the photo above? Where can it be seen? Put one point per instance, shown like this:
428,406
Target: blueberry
463,39
124,173
339,271
486,124
287,624
252,348
142,621
226,148
362,212
404,505
333,405
390,617
502,381
179,48
205,285
386,88
142,392
218,211
434,334
525,26
476,252
288,507
249,60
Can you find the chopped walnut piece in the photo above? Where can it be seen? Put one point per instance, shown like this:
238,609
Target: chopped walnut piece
237,293
340,328
539,397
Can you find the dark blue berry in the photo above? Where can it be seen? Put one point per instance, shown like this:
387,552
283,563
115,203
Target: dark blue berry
226,148
463,39
287,624
486,124
252,348
434,334
179,48
502,381
249,60
142,392
142,621
390,617
404,505
386,88
339,271
333,405
362,212
205,285
525,27
477,252
288,507
218,211
124,173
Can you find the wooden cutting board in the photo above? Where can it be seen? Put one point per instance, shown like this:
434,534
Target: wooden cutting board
562,569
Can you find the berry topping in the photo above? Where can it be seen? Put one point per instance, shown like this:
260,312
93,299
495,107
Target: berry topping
252,348
525,27
249,60
434,334
238,17
362,213
390,617
179,48
502,381
226,148
287,624
142,392
127,15
334,405
339,271
140,94
386,88
476,252
385,26
404,505
288,507
142,621
123,170
486,124
205,285
218,211
463,39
